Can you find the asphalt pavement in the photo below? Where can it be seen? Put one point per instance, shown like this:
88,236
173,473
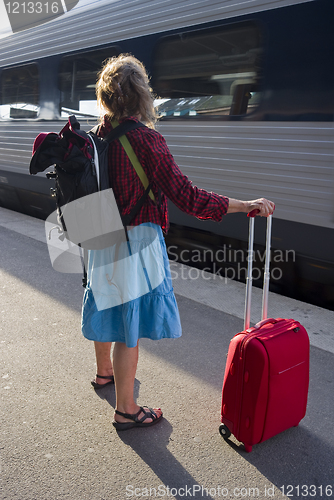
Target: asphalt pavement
57,441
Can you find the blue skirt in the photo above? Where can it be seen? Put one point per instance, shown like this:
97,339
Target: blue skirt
129,293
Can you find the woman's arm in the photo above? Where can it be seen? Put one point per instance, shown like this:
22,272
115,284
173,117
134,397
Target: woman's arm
189,198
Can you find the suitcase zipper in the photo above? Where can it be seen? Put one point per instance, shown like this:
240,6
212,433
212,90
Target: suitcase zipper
257,334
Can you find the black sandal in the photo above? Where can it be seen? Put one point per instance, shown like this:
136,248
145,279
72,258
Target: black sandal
100,386
137,422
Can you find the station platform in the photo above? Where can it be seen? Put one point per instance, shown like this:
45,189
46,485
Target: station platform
217,292
57,441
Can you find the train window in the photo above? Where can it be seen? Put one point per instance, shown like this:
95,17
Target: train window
20,92
77,80
209,72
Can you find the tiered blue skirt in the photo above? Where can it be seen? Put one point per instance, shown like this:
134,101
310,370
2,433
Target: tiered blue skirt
129,293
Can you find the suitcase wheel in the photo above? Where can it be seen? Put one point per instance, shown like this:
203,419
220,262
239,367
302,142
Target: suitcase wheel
224,431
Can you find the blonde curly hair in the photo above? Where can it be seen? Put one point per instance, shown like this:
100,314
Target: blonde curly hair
123,89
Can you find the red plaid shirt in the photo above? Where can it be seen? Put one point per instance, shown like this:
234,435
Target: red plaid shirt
162,171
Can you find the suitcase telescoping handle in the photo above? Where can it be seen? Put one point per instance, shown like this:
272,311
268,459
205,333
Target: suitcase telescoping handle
249,280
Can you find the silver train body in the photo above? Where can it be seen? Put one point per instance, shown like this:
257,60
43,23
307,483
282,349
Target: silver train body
270,134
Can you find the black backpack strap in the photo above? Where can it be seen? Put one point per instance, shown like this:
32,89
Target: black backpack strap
126,219
118,131
84,261
122,129
94,130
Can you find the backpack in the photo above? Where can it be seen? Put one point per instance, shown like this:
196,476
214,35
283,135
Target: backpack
86,214
81,164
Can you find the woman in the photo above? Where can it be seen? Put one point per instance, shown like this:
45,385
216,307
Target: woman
124,92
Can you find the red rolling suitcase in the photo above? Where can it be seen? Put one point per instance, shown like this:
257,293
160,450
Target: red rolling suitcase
267,370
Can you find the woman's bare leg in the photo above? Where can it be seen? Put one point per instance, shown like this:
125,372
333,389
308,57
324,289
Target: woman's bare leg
103,361
125,360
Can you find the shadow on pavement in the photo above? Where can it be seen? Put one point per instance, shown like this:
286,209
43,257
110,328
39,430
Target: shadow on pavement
151,446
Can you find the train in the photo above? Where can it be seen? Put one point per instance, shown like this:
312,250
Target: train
245,94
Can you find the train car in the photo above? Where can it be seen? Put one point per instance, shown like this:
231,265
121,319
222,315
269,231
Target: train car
245,90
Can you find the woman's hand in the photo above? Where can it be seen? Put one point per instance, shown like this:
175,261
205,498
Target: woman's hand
262,205
265,207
